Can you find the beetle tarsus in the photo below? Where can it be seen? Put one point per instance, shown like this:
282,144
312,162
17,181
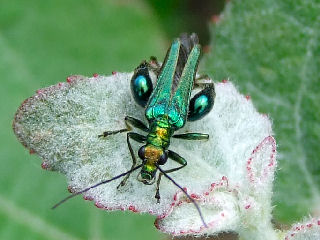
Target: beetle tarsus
157,196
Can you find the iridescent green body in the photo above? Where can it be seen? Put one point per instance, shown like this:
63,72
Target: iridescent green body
167,109
160,133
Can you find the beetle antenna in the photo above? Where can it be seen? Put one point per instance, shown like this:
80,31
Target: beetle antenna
184,191
96,185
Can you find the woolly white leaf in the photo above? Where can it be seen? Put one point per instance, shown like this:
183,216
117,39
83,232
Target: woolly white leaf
308,230
230,175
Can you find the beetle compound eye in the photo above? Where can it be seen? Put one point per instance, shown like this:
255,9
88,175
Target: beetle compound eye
163,158
141,84
201,104
141,152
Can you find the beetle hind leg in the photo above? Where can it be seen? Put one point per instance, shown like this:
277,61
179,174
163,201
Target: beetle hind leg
154,65
202,102
202,81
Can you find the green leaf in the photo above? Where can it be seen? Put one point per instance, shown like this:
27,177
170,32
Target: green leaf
271,50
41,43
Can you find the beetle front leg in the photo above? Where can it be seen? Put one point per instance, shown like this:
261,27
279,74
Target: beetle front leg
138,138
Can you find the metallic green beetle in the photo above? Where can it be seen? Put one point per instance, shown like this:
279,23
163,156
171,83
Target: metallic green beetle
167,108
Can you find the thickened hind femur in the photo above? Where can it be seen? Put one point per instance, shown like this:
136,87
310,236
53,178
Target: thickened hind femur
201,104
141,84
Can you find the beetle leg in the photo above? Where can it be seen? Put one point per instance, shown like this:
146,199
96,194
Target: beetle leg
202,81
177,158
154,65
130,122
138,138
192,136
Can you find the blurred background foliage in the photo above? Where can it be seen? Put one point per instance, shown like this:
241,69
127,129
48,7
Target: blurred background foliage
270,49
266,51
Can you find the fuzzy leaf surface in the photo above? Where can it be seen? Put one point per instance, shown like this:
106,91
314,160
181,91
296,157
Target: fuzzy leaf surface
230,175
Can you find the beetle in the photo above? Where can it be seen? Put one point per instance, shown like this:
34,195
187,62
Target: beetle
167,108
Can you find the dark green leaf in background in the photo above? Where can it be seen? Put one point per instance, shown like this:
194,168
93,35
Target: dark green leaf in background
271,49
178,16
